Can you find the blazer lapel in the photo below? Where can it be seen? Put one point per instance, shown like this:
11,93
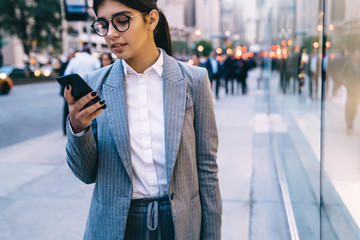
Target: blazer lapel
115,96
174,87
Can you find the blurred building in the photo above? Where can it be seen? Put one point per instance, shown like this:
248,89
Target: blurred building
225,23
13,52
344,15
306,18
193,20
239,19
184,18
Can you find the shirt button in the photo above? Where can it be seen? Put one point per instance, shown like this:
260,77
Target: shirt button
172,196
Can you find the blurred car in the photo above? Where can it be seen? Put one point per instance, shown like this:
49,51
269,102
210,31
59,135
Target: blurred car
6,83
46,71
14,71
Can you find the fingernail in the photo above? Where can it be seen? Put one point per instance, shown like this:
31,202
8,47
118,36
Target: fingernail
67,87
102,102
93,94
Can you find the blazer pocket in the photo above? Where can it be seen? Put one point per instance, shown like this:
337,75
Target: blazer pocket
194,195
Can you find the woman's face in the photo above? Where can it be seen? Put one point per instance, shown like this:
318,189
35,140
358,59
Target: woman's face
128,44
105,60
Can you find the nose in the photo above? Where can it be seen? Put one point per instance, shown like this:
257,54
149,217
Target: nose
112,31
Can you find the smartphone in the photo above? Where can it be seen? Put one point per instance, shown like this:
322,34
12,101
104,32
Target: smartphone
79,88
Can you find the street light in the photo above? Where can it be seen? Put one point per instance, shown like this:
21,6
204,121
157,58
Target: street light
198,32
320,27
200,48
331,27
238,53
229,51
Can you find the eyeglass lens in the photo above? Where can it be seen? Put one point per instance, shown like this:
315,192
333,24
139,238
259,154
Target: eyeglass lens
120,22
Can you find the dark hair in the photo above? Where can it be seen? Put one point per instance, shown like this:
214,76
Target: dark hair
106,54
161,33
86,48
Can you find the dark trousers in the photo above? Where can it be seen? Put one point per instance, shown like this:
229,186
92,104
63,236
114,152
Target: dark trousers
150,219
243,85
229,78
216,78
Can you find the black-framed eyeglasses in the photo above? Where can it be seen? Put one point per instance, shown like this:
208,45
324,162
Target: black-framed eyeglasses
120,21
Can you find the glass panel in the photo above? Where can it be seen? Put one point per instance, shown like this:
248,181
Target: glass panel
292,46
341,170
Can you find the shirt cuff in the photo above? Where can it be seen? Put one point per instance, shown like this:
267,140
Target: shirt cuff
80,134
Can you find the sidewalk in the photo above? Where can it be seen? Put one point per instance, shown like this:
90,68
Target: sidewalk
41,199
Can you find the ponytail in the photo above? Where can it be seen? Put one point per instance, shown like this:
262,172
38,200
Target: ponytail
162,34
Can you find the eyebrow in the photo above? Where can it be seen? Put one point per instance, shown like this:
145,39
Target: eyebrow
118,13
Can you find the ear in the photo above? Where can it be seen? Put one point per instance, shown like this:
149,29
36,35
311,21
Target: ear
153,17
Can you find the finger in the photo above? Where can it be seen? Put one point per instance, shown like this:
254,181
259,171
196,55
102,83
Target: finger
67,95
97,113
88,117
85,99
93,108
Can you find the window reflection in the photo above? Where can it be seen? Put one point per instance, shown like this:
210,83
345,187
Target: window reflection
341,173
315,60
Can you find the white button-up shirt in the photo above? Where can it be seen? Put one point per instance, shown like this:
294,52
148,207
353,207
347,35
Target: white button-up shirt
146,126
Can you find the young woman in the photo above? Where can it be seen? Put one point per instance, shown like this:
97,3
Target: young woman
152,152
106,59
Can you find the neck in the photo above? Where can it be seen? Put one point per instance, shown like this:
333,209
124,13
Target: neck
144,60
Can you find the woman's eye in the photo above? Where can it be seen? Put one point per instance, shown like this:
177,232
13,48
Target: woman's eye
101,24
121,20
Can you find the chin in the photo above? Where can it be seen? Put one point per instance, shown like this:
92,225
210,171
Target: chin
119,55
122,55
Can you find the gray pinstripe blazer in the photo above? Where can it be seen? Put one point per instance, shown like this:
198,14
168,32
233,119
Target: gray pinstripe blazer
102,155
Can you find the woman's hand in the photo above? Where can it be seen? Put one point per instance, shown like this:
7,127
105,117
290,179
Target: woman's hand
80,118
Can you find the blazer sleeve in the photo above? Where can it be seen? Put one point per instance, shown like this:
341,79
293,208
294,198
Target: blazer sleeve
206,146
81,154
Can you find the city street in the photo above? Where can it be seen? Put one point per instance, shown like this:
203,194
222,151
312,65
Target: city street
30,111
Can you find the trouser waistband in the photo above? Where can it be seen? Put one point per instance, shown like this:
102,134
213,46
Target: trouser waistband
151,207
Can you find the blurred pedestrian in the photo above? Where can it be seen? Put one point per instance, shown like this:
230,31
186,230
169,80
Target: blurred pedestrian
83,63
314,63
351,74
303,58
214,69
106,59
334,64
70,56
241,72
195,59
283,71
152,156
229,73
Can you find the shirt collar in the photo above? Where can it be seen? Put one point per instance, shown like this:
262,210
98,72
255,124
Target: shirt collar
157,66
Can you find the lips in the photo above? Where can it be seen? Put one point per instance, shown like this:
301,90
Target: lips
118,46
